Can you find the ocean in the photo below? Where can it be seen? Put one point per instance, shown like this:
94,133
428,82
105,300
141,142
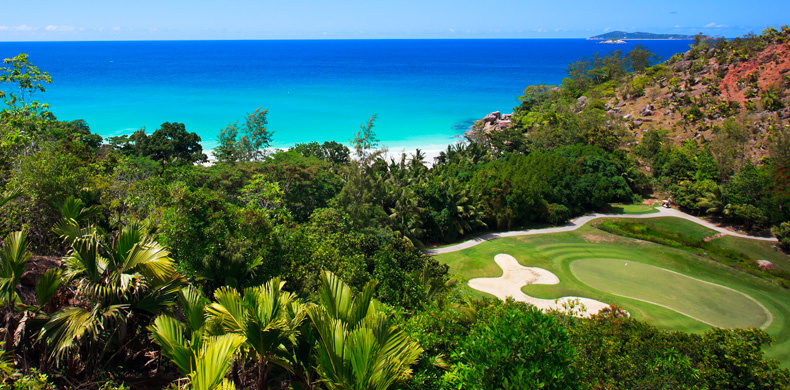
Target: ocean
425,93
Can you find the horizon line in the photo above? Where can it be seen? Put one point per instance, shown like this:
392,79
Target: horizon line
332,39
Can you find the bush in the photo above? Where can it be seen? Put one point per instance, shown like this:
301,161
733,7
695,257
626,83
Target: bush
782,233
557,214
514,346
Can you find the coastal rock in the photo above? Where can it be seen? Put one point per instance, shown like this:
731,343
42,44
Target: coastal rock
495,121
492,117
627,116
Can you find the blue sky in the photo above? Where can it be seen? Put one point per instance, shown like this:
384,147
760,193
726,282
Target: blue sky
58,20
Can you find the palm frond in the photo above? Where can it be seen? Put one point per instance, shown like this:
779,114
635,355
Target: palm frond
47,285
13,259
68,328
213,361
169,334
9,196
193,303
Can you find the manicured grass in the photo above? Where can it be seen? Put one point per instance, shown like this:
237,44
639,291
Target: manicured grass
557,252
756,249
716,305
630,209
677,225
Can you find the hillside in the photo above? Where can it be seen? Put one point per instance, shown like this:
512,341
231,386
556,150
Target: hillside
638,35
692,95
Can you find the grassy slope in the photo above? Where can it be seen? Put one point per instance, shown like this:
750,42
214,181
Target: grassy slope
556,252
760,250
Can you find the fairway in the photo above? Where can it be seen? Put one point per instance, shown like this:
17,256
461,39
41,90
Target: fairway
706,302
676,301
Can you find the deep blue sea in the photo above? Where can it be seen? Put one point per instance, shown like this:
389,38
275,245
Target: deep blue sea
425,92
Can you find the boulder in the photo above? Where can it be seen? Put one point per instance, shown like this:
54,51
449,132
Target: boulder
28,279
492,118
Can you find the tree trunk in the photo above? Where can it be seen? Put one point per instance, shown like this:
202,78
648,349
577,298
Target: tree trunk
263,372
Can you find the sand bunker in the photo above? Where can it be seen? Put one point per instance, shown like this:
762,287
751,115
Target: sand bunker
515,276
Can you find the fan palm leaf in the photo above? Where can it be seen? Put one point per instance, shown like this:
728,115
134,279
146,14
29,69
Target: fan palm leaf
67,329
13,260
213,362
355,351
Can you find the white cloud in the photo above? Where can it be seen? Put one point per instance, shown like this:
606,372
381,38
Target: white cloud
607,29
452,30
709,25
116,29
59,28
21,27
677,26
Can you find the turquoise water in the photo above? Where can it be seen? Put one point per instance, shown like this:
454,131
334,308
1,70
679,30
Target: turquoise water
426,93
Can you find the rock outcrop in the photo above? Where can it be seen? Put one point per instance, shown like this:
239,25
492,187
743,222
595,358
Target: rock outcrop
494,121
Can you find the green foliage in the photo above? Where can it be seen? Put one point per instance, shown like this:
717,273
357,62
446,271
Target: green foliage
218,242
333,152
171,144
771,98
251,146
687,193
46,177
125,280
266,317
307,182
693,113
620,353
782,233
356,346
35,380
24,116
636,87
14,256
640,58
514,346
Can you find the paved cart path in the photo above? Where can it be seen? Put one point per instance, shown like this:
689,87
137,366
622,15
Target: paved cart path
579,222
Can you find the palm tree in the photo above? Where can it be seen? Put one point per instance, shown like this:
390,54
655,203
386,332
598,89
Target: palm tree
203,359
120,285
405,214
713,202
9,196
459,215
357,348
268,319
13,260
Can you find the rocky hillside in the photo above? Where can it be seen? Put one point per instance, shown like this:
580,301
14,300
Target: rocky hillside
693,94
739,85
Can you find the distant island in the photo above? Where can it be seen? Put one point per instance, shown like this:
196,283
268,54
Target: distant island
613,35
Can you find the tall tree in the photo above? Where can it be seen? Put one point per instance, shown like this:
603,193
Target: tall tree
170,144
21,110
251,146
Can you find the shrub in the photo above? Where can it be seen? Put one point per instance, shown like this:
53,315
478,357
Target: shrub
782,233
514,346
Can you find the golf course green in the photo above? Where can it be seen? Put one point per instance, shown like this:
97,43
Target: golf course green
672,288
703,301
